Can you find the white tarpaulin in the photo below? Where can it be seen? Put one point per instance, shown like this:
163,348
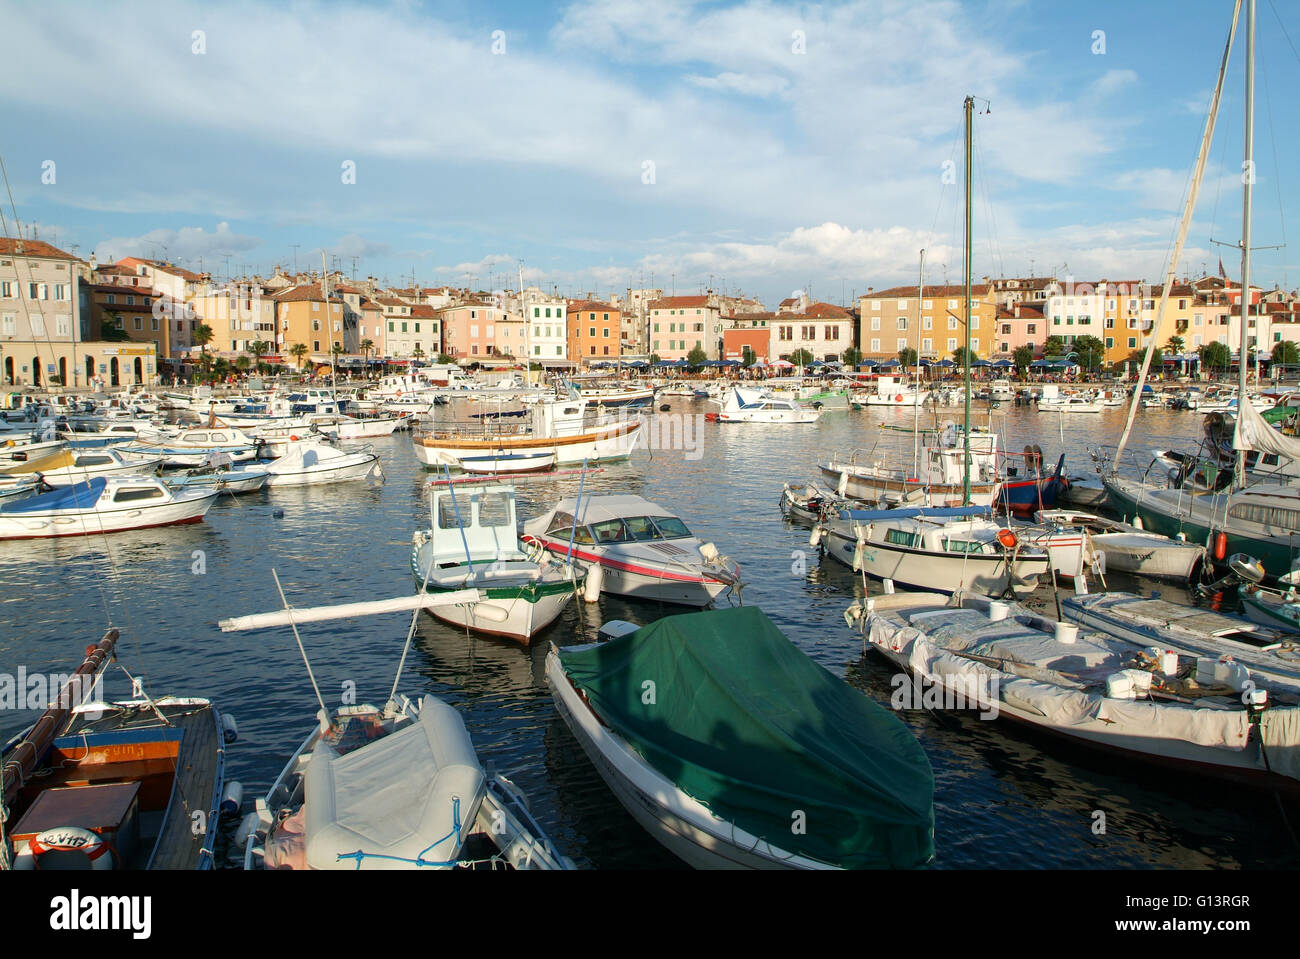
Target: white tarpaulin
1255,433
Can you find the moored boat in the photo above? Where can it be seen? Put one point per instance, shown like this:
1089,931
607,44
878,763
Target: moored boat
741,732
103,505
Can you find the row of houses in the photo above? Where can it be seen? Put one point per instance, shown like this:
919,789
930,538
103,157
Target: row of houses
68,321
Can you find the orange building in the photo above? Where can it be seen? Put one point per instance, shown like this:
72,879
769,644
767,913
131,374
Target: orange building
593,331
302,315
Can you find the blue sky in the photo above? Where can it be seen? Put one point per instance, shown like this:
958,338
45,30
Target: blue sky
793,145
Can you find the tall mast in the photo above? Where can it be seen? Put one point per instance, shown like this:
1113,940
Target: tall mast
970,109
916,374
1183,227
1248,180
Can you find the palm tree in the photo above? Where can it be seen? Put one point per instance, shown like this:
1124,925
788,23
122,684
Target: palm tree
242,363
367,346
299,352
259,349
418,352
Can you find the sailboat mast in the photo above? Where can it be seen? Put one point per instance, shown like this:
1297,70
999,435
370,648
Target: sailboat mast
970,109
1248,180
916,370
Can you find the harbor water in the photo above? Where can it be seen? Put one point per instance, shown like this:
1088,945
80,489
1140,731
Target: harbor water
1003,798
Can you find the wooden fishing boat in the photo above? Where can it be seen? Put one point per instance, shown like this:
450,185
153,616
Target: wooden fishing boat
97,785
472,543
1094,689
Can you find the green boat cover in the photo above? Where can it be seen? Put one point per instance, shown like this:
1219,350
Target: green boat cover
744,722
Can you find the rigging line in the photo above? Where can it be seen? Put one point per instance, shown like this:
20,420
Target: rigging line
1284,33
1277,170
991,241
1219,179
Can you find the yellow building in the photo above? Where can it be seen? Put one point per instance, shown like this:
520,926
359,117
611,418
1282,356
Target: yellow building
934,325
302,315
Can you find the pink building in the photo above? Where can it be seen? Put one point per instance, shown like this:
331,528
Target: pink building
1019,325
475,330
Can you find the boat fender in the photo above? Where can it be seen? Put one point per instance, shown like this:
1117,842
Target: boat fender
1137,522
247,827
493,614
229,728
1220,546
595,580
859,550
1008,538
70,847
898,398
814,540
232,797
843,488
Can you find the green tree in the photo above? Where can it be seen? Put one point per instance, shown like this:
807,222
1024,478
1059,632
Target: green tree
446,360
655,359
367,347
1055,346
1090,351
242,363
1022,357
259,349
110,328
959,356
1215,356
851,357
418,352
801,357
697,356
1286,353
907,356
1157,359
299,352
1175,345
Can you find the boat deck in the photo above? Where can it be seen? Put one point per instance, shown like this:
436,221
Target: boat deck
198,777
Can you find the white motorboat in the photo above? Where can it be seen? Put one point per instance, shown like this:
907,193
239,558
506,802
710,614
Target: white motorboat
1128,548
78,465
245,480
1070,404
190,447
473,543
893,392
102,505
1091,688
394,788
733,735
949,550
744,405
313,463
642,549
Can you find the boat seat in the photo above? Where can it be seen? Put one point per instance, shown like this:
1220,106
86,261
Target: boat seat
395,800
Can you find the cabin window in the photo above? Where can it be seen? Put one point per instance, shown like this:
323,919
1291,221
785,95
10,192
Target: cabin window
641,528
670,527
1269,516
610,531
94,460
494,509
900,537
962,546
130,495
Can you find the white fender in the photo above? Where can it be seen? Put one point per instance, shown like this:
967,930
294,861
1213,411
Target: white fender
592,586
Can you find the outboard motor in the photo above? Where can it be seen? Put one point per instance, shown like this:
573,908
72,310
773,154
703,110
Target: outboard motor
1242,570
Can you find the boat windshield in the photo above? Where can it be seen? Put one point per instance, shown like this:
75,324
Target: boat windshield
670,527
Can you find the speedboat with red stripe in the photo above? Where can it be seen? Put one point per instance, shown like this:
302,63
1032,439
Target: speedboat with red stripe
642,549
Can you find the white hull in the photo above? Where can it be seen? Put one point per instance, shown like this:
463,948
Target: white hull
522,619
92,523
601,445
355,468
627,579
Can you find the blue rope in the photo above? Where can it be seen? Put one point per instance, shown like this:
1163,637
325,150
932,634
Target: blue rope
419,860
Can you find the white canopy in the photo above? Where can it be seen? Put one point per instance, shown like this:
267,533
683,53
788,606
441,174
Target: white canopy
1255,433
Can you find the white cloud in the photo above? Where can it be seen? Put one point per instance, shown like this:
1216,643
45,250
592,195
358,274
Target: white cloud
187,244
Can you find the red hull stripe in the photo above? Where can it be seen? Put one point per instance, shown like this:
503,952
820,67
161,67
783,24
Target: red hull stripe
563,550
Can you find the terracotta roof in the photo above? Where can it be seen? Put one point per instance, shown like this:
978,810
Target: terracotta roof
828,311
746,317
125,290
301,293
903,292
577,306
423,311
11,246
676,302
164,267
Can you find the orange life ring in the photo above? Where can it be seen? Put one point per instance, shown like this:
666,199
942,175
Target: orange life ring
898,398
399,392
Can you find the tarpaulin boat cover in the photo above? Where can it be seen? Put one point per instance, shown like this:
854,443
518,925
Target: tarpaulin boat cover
742,721
79,496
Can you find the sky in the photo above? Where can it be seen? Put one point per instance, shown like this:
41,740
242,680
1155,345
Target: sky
755,147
